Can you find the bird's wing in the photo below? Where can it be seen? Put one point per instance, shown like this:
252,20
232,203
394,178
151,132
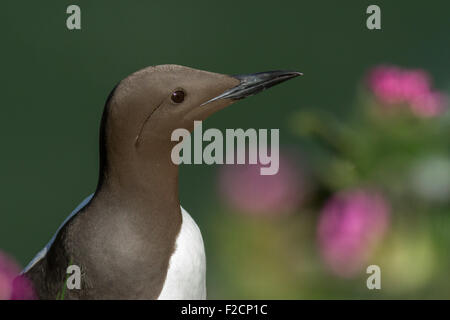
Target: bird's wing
44,251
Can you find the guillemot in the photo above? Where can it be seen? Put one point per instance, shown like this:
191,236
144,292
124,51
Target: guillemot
131,238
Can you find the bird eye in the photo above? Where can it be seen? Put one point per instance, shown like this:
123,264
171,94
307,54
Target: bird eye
178,96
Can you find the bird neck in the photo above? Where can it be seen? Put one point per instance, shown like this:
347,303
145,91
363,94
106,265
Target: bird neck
143,178
136,177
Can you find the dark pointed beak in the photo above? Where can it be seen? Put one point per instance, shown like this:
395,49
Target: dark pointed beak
251,84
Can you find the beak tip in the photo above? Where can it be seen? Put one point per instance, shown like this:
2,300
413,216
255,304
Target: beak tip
296,73
251,84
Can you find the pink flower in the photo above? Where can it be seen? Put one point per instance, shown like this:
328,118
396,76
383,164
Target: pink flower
245,189
13,287
394,86
429,105
350,226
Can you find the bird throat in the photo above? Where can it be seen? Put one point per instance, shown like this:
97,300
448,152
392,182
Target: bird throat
137,189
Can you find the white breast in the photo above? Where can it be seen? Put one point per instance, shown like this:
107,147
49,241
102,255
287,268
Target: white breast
186,277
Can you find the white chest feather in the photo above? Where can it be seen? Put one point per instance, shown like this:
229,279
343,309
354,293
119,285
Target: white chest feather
186,277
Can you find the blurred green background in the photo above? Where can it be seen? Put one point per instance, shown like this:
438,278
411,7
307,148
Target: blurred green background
54,84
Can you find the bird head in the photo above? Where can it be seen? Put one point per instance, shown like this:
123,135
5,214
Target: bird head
146,107
149,104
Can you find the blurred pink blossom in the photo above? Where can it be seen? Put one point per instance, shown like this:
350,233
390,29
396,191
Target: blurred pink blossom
13,287
429,105
350,225
245,189
395,86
